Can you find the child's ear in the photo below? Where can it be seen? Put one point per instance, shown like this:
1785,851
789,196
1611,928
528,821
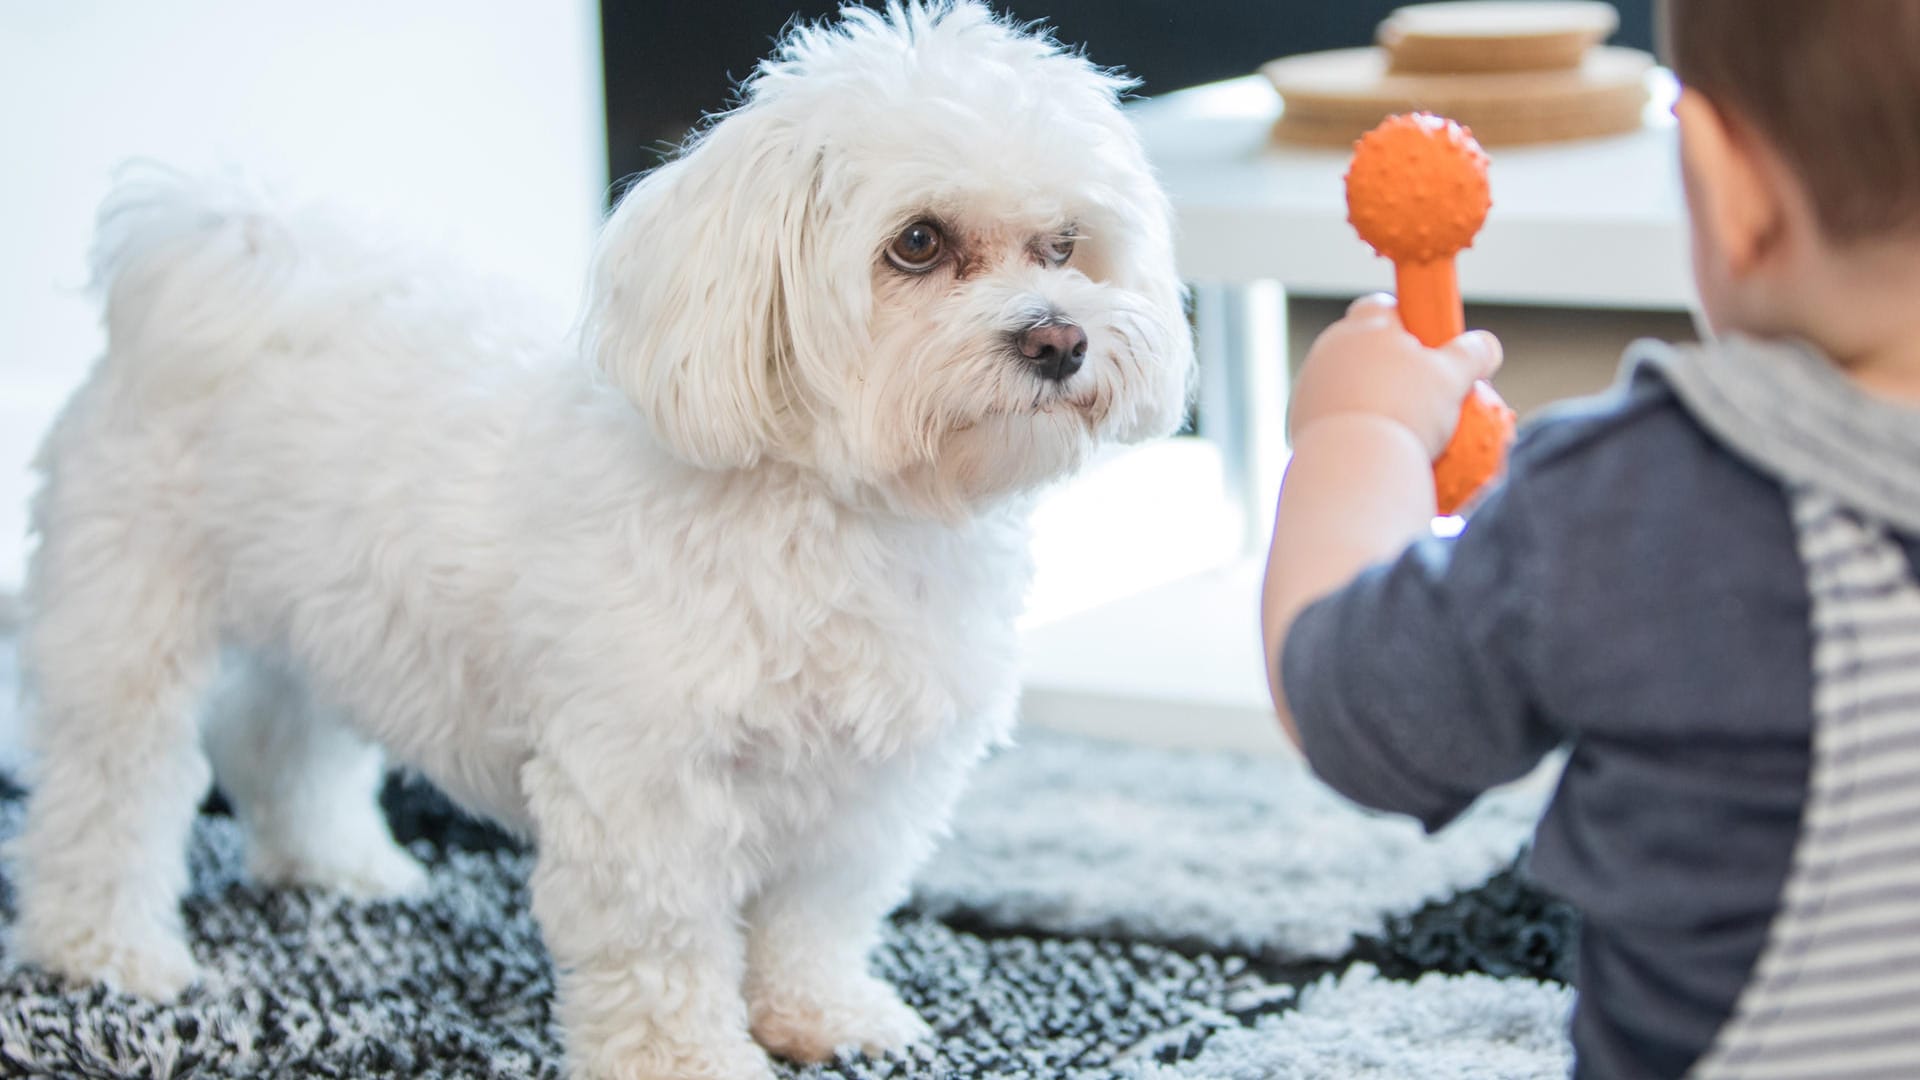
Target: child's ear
1730,188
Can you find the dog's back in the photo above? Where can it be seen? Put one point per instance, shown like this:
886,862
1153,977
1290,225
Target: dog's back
287,403
248,469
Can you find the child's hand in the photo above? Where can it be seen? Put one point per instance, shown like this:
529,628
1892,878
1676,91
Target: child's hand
1368,364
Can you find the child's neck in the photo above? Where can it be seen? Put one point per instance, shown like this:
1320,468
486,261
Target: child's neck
1892,372
1865,312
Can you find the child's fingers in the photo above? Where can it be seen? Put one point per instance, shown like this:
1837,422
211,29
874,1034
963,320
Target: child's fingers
1475,354
1373,305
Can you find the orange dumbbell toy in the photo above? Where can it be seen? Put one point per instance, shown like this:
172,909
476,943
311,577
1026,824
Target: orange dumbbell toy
1417,193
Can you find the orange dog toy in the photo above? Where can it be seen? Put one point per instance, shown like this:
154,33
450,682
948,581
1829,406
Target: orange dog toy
1416,193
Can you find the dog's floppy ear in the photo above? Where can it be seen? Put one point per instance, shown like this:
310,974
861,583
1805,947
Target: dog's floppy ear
1142,220
692,299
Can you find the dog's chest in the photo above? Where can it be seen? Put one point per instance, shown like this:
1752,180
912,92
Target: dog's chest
872,640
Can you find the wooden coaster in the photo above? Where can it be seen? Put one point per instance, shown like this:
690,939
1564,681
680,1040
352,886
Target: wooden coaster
1495,35
1335,97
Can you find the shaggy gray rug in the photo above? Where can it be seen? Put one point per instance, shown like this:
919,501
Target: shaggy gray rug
1219,851
1359,1026
1102,911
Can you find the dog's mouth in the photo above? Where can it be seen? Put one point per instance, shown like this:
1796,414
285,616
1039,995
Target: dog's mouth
1048,401
1076,395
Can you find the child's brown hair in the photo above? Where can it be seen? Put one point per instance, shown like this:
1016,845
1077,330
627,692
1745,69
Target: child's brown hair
1832,85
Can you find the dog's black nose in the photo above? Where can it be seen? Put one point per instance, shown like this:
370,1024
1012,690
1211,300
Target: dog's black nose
1055,348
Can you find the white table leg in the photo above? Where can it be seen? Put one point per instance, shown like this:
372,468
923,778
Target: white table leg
1242,345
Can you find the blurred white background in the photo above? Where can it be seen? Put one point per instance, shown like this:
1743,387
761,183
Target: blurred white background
480,125
477,122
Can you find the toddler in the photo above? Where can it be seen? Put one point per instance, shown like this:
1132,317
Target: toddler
1702,584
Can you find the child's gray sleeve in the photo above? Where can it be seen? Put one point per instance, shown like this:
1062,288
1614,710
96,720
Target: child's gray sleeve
1412,685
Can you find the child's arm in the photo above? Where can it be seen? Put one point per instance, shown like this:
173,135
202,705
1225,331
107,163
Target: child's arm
1372,408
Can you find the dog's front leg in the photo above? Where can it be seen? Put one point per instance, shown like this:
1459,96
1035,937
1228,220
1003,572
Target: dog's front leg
813,926
810,991
639,903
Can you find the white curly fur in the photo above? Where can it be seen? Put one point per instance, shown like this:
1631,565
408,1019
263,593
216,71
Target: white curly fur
721,618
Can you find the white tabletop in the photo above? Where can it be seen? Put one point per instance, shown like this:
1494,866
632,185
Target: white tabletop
1595,223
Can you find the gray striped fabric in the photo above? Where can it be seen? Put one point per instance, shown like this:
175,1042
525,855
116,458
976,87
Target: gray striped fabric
1836,994
1786,408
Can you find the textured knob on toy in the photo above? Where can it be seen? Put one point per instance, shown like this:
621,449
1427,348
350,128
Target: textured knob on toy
1417,193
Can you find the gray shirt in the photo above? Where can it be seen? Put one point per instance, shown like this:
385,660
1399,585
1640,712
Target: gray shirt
1632,591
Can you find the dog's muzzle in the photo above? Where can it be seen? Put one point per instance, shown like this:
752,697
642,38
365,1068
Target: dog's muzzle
1054,346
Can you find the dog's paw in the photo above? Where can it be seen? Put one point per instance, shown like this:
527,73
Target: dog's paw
662,1060
813,1024
374,872
159,968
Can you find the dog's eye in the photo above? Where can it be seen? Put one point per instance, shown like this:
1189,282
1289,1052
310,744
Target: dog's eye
1057,249
918,247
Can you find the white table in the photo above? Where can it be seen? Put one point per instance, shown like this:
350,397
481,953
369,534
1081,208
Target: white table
1586,224
1593,224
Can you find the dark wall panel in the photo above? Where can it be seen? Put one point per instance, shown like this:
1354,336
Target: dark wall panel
668,62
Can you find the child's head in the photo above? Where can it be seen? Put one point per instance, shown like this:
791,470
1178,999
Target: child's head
1800,131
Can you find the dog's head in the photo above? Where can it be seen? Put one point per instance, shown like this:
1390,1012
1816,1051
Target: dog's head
924,256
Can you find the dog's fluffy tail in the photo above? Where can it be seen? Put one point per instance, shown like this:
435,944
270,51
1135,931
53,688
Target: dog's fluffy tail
192,273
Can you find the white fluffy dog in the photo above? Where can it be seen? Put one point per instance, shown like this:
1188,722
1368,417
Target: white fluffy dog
720,618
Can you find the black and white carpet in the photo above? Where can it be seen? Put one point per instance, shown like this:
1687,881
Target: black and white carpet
1102,911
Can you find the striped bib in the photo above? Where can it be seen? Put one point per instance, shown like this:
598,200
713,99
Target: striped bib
1836,992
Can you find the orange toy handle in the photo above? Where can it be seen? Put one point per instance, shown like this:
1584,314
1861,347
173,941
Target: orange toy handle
1429,297
1430,309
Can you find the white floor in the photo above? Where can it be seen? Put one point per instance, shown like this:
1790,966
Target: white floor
1144,622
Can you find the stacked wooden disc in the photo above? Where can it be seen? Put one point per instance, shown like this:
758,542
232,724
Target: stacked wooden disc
1514,71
